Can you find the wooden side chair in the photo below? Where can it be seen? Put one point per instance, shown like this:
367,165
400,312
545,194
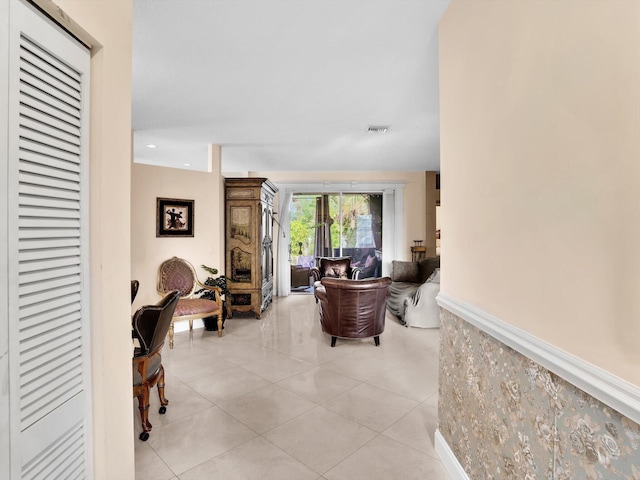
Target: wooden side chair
178,274
149,325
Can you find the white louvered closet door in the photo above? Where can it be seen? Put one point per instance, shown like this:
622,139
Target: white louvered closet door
47,238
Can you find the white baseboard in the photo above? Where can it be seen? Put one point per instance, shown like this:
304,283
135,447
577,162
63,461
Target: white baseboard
600,384
184,326
448,459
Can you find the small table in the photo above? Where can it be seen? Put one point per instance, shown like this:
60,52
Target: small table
418,253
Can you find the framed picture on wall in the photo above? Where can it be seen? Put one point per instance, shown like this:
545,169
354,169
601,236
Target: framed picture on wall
174,217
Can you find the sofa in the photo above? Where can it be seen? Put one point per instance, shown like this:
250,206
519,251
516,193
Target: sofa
301,271
300,276
413,292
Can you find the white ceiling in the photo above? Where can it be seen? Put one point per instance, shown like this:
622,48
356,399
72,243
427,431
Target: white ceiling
287,84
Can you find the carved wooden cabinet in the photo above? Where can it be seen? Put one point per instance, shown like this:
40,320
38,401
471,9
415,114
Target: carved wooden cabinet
249,243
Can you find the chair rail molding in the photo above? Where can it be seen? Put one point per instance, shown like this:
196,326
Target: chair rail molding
600,384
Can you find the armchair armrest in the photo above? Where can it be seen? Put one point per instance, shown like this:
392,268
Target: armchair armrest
320,293
218,290
355,273
317,276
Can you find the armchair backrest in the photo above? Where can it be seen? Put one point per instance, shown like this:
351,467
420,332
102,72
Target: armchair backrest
353,308
346,289
177,274
151,323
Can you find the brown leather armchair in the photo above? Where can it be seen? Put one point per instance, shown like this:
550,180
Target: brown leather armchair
352,308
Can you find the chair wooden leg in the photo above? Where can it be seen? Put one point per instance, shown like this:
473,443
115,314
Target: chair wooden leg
163,400
143,406
190,324
142,394
171,335
219,325
376,339
333,341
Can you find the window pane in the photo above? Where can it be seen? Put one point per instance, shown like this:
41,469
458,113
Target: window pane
302,231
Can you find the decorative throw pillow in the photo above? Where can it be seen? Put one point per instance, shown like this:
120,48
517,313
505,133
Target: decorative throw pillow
435,276
371,260
403,271
427,267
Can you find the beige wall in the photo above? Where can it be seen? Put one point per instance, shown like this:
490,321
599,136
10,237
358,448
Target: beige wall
414,194
110,24
205,247
540,114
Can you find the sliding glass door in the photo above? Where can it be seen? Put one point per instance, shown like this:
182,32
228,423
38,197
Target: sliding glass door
337,224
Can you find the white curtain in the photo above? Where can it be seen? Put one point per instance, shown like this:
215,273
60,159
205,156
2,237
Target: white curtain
283,269
392,227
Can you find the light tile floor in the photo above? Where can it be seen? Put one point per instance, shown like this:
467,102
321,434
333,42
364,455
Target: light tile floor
272,400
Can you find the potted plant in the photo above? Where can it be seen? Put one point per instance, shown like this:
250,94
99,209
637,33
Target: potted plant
211,323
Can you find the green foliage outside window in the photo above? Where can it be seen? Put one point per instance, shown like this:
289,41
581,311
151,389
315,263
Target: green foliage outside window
304,221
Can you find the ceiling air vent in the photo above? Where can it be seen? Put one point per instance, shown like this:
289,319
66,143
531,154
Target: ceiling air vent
378,128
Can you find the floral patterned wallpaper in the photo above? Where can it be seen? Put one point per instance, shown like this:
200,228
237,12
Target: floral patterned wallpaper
506,417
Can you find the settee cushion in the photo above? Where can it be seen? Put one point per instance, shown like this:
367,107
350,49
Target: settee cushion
402,271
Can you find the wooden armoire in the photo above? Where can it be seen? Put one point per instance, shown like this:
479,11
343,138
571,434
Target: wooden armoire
249,243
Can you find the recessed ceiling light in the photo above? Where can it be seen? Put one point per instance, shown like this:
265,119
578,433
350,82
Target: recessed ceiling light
187,164
151,145
378,128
